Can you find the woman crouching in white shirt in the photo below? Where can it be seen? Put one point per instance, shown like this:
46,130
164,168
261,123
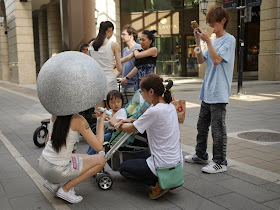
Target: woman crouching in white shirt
161,123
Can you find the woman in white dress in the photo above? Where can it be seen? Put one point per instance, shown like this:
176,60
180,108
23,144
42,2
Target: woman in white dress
104,50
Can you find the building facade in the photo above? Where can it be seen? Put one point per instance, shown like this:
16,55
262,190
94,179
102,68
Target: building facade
31,31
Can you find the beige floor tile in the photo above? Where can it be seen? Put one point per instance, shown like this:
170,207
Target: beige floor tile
266,156
233,155
249,160
268,166
249,152
248,144
267,149
276,161
235,148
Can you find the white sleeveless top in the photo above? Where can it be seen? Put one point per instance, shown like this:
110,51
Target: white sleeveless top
105,57
64,156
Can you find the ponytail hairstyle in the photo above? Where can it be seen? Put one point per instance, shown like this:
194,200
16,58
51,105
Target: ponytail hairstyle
104,26
153,81
150,35
60,130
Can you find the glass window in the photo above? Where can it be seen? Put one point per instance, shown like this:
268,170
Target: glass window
128,6
160,5
189,4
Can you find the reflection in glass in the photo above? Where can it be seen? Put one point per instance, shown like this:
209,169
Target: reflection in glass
128,6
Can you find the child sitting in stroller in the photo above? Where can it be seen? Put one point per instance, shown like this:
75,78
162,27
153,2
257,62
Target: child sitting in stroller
114,102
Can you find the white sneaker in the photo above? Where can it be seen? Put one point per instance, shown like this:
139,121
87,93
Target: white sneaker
194,159
213,168
51,187
70,196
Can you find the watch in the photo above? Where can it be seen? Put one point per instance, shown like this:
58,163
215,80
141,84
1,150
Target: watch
127,77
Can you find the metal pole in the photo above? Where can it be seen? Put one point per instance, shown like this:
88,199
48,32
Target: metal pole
241,50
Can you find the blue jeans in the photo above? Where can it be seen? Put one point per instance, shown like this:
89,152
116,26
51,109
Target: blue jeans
107,137
137,170
214,115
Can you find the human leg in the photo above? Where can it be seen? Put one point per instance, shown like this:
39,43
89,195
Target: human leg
203,124
137,170
91,165
219,133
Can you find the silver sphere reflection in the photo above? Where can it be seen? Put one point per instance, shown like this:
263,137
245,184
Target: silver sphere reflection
70,82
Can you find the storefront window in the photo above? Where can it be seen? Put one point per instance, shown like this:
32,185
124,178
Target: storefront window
189,4
168,62
191,64
128,6
161,5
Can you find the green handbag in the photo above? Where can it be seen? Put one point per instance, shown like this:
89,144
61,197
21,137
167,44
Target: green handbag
170,177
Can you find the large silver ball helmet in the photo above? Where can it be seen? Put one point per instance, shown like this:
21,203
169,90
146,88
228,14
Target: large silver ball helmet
70,82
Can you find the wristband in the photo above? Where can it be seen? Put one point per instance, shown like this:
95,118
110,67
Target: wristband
127,77
197,50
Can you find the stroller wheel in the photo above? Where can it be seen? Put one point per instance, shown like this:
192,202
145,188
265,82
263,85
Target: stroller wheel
104,181
40,135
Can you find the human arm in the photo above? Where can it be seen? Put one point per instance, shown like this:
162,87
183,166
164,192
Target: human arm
124,125
95,141
197,35
145,53
130,75
117,54
215,57
52,120
127,58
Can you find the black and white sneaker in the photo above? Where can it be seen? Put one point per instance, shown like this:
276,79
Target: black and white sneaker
213,168
195,159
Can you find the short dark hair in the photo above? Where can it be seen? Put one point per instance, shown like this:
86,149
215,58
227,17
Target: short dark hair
114,94
216,14
150,35
131,31
82,46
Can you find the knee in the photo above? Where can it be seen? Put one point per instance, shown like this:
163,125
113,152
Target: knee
101,161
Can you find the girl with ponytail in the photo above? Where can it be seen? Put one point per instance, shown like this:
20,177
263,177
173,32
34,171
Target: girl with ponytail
145,58
161,123
104,51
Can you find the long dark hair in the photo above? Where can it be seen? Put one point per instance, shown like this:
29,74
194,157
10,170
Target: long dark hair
153,81
60,130
102,34
150,35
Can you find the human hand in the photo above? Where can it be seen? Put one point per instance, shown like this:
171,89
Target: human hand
103,115
205,36
124,81
197,34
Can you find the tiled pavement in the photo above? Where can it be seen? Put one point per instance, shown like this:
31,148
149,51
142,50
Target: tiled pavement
252,181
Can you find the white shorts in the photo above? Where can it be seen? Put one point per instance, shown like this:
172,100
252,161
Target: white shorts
57,174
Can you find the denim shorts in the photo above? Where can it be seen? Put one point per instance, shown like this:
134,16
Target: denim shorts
57,174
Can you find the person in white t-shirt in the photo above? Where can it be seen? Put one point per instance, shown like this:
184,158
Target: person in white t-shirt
161,123
114,102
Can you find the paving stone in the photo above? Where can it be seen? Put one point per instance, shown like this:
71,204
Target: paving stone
34,201
4,203
246,177
19,187
234,201
274,204
272,186
12,171
249,190
203,188
186,199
